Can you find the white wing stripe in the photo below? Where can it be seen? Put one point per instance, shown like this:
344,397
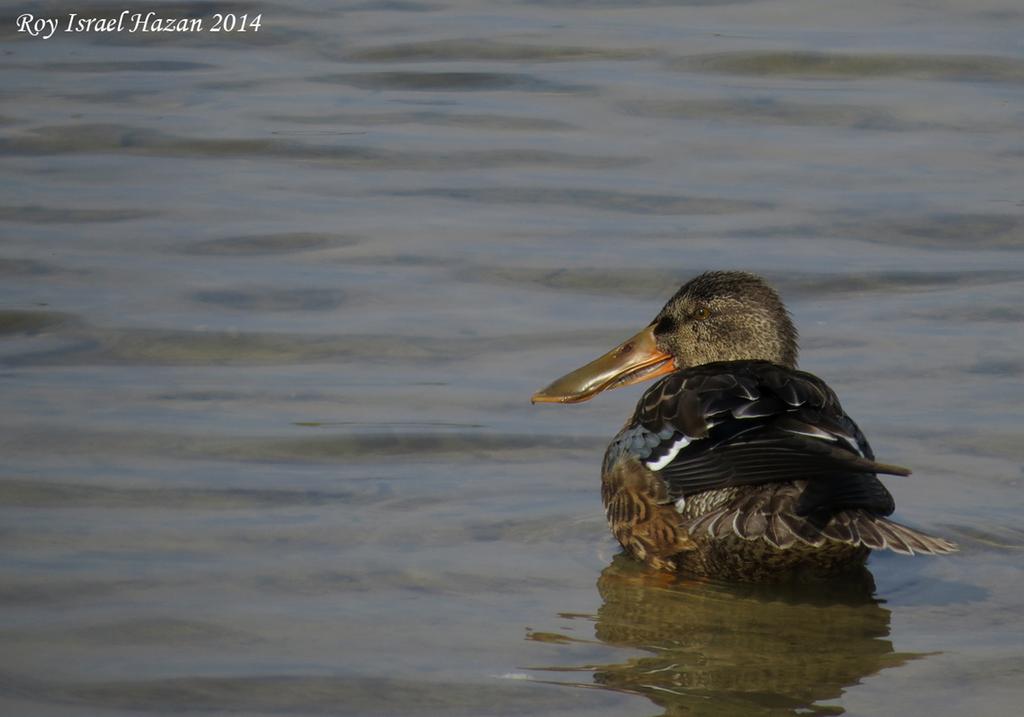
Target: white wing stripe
681,443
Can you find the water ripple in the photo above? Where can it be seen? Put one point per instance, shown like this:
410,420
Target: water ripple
464,49
120,139
774,111
627,202
268,244
489,122
291,693
448,82
272,299
822,65
34,214
46,494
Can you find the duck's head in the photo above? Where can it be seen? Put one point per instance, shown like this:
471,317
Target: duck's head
717,316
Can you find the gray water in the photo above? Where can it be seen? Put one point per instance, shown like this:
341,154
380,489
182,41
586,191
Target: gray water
272,307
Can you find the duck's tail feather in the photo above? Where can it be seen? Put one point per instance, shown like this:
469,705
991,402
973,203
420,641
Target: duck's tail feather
768,515
861,528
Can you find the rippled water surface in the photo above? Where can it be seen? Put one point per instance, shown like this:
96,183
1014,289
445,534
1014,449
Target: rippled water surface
272,307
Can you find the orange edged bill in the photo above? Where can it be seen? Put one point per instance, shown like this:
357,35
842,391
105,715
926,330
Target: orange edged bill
636,359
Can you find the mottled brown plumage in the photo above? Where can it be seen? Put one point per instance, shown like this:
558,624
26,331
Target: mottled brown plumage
642,517
736,464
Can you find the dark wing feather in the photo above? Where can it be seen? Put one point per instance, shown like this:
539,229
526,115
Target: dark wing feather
835,475
748,423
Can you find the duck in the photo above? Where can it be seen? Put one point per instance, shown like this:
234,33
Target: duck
735,464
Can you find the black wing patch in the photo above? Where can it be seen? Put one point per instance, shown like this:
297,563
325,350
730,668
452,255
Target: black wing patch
748,423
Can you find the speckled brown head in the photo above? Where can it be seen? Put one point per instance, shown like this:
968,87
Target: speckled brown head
717,316
726,316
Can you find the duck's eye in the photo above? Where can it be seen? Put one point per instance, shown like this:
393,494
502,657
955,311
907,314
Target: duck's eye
702,313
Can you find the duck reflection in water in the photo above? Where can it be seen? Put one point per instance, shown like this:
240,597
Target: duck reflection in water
739,649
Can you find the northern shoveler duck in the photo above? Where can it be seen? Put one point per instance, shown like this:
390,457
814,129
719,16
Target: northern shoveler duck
735,464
